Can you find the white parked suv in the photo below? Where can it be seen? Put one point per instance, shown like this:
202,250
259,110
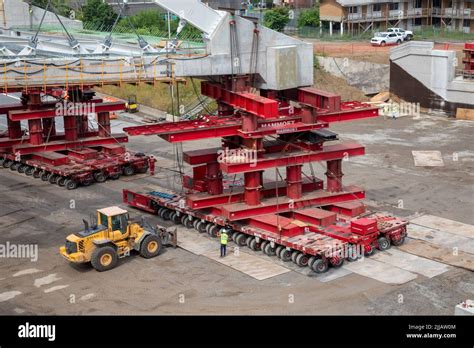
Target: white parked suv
385,38
406,34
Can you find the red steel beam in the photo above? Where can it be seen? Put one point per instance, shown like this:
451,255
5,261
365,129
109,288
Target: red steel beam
21,115
60,145
239,211
349,115
251,103
330,152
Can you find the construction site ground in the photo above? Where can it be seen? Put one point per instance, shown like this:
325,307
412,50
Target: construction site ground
430,274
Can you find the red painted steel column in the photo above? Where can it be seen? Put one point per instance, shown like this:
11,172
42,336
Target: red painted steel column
14,129
214,179
103,120
294,182
36,132
70,128
49,126
249,122
253,185
334,175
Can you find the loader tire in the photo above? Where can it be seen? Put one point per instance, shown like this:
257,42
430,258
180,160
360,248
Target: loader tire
151,246
104,258
384,243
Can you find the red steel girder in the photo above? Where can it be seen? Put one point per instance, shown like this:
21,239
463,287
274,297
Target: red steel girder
330,152
202,200
7,142
239,211
319,99
60,145
251,103
348,113
21,115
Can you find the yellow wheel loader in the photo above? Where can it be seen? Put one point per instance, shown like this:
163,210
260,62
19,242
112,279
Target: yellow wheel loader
114,236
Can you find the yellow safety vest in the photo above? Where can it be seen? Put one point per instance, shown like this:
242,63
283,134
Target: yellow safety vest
224,238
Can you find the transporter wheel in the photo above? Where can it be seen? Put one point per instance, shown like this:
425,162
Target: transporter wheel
151,246
166,214
142,170
188,222
352,253
22,168
254,245
263,245
61,181
214,230
195,223
278,250
53,179
174,217
399,241
15,166
369,251
70,184
337,261
44,176
104,258
36,174
128,171
30,171
2,160
294,254
99,177
311,261
241,240
87,182
115,176
201,226
285,255
7,163
302,260
384,243
320,266
269,250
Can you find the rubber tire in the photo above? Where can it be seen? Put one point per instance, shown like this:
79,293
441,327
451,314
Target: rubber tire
7,163
144,252
61,181
302,260
383,44
208,227
214,230
21,169
339,263
269,250
399,42
384,243
285,255
263,245
29,171
100,177
201,226
278,250
371,252
195,223
311,261
53,179
398,242
241,240
188,223
128,171
166,213
115,176
98,253
70,184
2,160
352,254
142,170
320,266
254,245
294,254
36,174
44,176
15,166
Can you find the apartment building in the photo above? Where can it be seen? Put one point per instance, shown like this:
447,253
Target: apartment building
357,16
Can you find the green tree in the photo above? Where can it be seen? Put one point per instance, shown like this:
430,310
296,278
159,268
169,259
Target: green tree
309,18
277,18
95,13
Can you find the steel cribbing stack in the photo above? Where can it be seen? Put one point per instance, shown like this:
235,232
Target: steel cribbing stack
298,219
79,155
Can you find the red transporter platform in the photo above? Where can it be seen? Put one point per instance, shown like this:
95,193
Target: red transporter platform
80,154
260,133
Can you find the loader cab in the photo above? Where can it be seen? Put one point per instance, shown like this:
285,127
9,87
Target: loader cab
115,221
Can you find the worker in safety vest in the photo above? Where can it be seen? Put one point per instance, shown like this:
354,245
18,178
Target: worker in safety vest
224,235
